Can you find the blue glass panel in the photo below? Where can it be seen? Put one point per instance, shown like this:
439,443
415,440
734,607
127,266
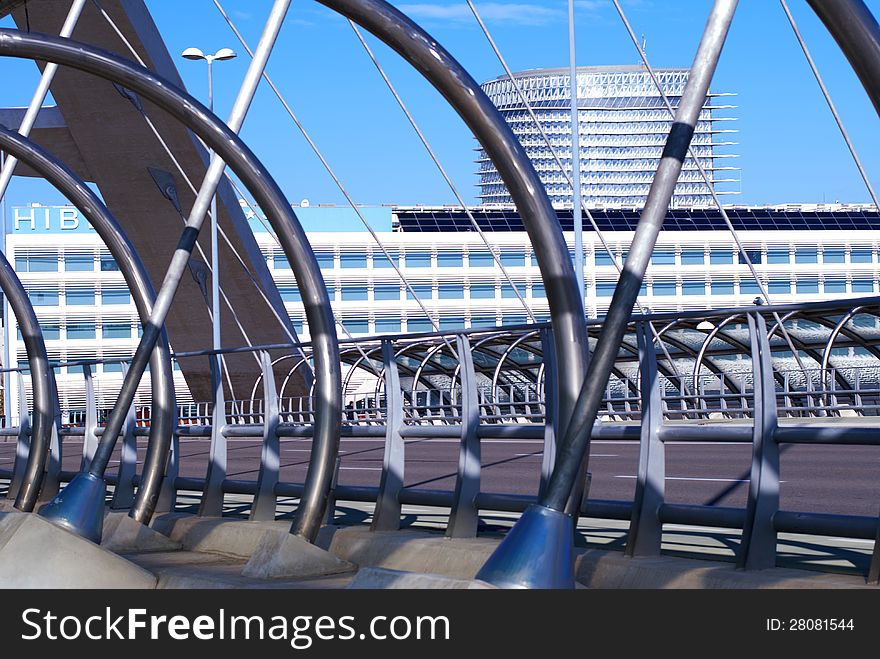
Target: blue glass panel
835,286
108,264
605,288
289,293
450,259
483,321
779,286
507,290
718,257
325,260
387,325
664,288
356,326
833,256
480,260
418,259
451,322
115,296
663,257
115,367
451,291
80,296
775,256
602,258
379,260
538,290
81,330
44,298
722,288
353,260
512,259
862,286
749,287
693,288
354,293
386,292
43,264
806,255
691,257
860,256
280,262
79,263
419,325
807,285
482,291
422,290
116,331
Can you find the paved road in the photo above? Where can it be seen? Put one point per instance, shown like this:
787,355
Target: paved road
830,479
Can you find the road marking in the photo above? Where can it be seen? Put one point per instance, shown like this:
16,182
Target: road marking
711,480
363,468
592,455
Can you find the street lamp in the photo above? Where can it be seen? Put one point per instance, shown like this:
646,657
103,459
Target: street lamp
221,55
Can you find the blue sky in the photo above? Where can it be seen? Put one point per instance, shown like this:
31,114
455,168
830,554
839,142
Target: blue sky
790,149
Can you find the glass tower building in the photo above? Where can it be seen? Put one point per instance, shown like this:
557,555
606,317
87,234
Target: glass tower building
623,126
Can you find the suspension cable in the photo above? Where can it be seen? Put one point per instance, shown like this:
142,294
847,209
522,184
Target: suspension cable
442,171
715,198
337,181
831,106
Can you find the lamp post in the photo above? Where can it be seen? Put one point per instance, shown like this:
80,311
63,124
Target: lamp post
221,55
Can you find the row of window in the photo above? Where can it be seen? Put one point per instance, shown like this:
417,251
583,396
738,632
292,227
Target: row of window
88,330
520,258
394,292
399,325
115,367
78,297
70,262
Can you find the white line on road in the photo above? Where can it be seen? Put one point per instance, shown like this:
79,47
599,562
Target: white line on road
712,480
363,468
592,455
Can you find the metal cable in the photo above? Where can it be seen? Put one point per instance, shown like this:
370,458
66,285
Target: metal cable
336,180
831,106
442,171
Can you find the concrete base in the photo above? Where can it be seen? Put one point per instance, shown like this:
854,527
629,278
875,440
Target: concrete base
380,578
34,553
292,556
123,535
217,535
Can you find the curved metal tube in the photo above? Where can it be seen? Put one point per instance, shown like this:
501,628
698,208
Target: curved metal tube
164,407
45,392
855,30
229,146
512,162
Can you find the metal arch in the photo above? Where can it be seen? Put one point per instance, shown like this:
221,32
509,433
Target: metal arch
510,349
230,148
516,170
364,355
706,341
429,356
485,346
826,351
45,392
164,407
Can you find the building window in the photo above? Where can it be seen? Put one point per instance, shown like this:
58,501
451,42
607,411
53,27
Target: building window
81,330
280,262
776,256
693,288
508,291
451,291
115,296
806,255
693,257
356,326
835,286
663,257
353,260
34,263
115,367
325,260
387,325
718,257
779,287
379,260
419,325
424,291
664,288
538,291
749,287
603,258
418,260
862,286
450,259
80,296
386,292
51,332
482,321
480,260
354,293
861,256
807,285
482,291
79,262
108,264
518,319
116,331
605,288
512,259
754,255
451,322
722,288
833,256
46,298
289,293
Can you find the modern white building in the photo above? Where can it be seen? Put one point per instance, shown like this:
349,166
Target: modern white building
623,124
802,253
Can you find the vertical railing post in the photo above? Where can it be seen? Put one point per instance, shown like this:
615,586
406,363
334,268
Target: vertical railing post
387,515
330,517
270,457
464,516
52,479
212,496
168,493
646,529
90,425
551,407
123,495
23,443
757,550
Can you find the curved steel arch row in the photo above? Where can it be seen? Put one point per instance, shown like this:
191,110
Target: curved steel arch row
484,346
43,387
230,148
840,328
164,407
515,168
632,385
364,355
